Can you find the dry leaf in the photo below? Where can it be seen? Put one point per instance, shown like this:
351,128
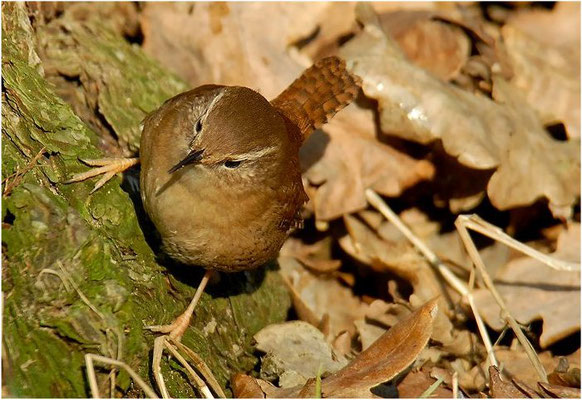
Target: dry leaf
246,387
368,333
471,377
388,356
380,316
480,133
517,365
323,295
563,375
562,392
295,351
544,48
434,45
236,44
316,256
501,389
416,382
533,291
399,258
347,159
533,165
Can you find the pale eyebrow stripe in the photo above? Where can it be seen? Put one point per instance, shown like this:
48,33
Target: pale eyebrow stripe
253,155
214,101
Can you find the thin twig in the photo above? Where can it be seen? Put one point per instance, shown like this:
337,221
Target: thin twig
431,388
64,281
435,262
159,343
461,225
478,224
80,293
200,384
202,368
455,385
18,175
92,378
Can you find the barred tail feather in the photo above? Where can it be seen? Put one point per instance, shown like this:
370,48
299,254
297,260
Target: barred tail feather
320,92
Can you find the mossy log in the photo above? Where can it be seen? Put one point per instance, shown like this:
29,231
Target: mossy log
78,274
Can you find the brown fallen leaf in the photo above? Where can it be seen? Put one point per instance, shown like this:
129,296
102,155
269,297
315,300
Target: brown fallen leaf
534,165
246,387
392,353
380,316
388,356
321,295
234,44
471,377
481,134
562,392
434,45
316,256
563,375
533,291
544,48
347,158
416,382
401,259
501,389
516,364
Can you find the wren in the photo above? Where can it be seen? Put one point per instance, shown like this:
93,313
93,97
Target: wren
220,175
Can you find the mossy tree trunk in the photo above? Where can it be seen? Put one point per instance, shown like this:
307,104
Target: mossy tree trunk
78,274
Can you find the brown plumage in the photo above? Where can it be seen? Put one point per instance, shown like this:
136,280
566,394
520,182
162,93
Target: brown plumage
220,173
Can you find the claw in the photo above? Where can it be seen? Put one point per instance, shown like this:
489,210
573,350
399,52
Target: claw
108,167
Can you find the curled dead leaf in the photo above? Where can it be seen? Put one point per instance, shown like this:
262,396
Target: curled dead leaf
388,356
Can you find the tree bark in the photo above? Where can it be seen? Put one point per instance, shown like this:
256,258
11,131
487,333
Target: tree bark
82,272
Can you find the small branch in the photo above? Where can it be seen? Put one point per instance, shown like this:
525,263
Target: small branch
461,224
92,378
200,384
202,368
478,224
18,175
435,262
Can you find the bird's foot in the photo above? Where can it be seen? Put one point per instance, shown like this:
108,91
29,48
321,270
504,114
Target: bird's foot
171,342
176,329
108,167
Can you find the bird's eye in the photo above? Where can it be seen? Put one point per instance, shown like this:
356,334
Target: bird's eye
232,164
198,126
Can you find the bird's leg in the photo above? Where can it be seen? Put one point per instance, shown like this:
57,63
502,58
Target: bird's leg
174,332
107,167
176,329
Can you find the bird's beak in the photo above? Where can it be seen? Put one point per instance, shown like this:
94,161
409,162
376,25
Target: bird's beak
193,157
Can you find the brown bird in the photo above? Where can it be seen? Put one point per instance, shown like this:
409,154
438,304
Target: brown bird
220,176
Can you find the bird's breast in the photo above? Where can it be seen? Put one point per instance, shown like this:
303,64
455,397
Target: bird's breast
218,226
